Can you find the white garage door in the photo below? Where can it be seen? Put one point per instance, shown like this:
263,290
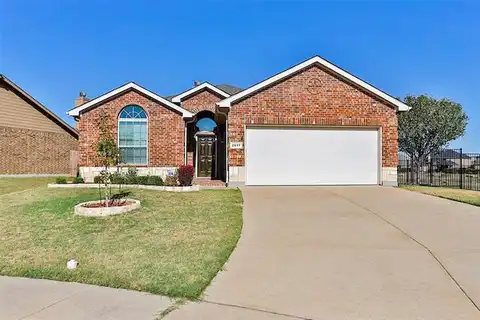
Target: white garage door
299,156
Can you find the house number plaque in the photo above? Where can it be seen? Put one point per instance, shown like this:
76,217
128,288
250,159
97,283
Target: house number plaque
236,145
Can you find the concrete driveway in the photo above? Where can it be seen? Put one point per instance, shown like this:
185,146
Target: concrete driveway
348,253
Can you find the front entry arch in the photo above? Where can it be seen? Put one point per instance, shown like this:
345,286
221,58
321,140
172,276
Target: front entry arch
206,145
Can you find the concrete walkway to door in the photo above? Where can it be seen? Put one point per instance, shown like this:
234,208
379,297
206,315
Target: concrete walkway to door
348,253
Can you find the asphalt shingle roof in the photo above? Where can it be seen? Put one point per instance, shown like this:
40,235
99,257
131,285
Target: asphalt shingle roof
231,90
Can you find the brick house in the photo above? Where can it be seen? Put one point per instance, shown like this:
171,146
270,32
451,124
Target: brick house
312,124
33,140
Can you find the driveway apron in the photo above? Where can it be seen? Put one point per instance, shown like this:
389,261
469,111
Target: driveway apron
347,253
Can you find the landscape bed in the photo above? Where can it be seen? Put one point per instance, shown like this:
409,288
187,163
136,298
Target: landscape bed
124,186
173,245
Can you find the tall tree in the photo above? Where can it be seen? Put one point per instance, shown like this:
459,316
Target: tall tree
429,126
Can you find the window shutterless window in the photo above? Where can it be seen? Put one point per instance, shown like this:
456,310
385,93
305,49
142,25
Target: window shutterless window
133,135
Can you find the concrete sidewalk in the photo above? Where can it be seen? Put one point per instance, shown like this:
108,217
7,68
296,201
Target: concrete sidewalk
32,299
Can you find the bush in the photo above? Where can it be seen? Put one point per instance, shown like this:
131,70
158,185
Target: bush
142,180
472,171
185,175
171,181
97,179
402,169
155,181
131,176
117,178
78,180
61,180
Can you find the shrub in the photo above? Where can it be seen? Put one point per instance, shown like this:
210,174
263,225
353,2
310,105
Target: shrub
185,175
77,180
155,181
131,176
402,169
171,181
117,178
142,180
61,180
97,179
472,171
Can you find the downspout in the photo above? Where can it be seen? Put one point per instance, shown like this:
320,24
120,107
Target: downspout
227,167
185,158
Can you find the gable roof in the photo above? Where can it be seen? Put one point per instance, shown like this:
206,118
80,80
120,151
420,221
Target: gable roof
449,154
126,87
231,90
312,61
202,86
44,110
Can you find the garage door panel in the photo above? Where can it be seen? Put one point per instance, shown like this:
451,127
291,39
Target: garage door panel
311,156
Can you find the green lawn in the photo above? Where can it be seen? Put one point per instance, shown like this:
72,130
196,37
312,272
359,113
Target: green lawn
174,245
8,185
466,196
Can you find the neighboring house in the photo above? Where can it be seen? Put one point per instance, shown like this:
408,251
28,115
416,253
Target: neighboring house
33,140
449,158
476,162
312,124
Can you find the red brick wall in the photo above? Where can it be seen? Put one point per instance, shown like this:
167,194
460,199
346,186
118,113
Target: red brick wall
25,151
203,100
314,97
165,130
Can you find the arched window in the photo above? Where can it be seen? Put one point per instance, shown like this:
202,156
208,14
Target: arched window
133,135
206,124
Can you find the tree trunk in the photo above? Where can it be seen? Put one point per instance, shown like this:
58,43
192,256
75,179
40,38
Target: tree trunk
415,171
417,181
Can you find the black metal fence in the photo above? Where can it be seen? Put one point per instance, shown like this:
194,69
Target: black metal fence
450,168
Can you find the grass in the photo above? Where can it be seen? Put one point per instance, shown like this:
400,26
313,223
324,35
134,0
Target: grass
8,185
174,245
466,196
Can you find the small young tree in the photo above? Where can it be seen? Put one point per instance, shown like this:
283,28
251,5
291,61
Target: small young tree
108,153
429,126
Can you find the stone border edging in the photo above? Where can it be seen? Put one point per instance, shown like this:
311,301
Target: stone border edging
132,186
80,210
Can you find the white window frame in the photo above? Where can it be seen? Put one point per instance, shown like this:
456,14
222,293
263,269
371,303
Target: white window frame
148,135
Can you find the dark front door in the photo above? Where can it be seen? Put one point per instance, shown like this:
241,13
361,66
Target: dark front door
205,155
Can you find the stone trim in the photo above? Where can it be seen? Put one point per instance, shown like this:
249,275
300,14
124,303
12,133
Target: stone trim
105,211
236,173
389,176
88,173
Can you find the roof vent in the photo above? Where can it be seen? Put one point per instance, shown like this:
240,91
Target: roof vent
196,83
83,94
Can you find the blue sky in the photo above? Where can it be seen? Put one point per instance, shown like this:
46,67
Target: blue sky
54,49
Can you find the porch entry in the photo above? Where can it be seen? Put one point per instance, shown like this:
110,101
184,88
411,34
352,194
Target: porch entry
206,145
